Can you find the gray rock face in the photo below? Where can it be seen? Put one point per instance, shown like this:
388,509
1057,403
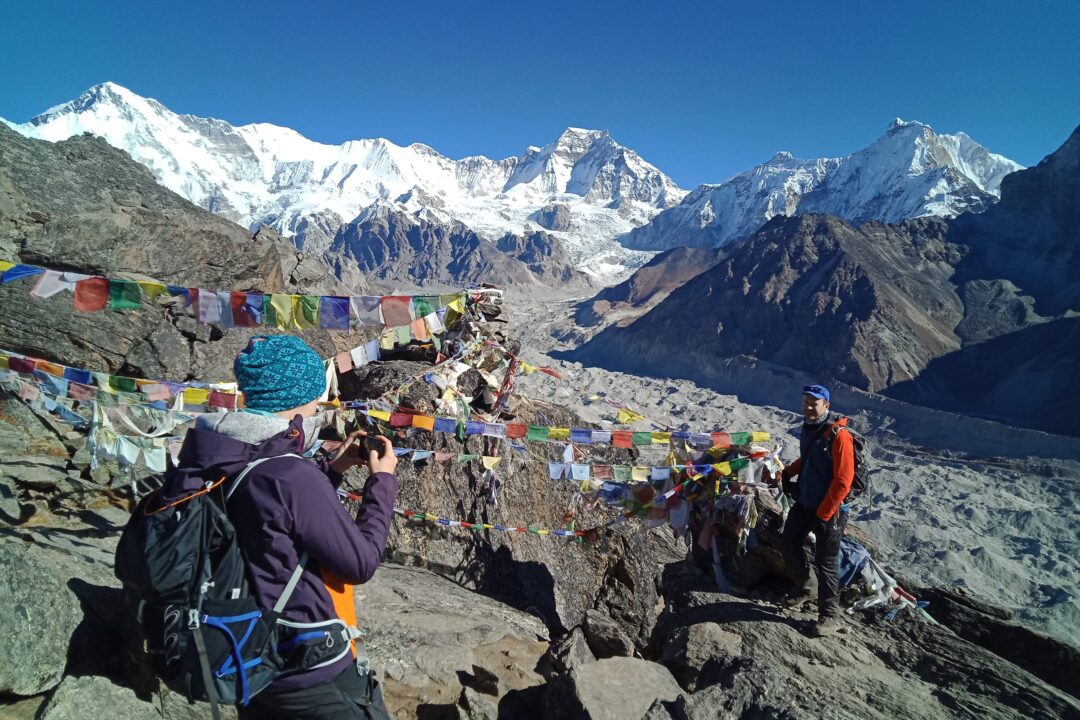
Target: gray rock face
545,257
691,648
764,664
389,245
95,697
553,217
570,651
32,662
429,638
41,612
84,206
610,689
605,637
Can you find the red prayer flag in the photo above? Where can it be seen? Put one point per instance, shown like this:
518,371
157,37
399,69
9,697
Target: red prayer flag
92,294
622,438
516,430
400,420
222,400
240,317
21,365
721,439
396,310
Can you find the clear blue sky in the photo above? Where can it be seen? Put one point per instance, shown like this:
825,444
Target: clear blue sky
702,90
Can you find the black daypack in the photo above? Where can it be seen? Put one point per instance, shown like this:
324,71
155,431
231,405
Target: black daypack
860,484
206,635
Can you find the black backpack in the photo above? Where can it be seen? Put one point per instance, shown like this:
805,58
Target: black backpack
861,482
204,631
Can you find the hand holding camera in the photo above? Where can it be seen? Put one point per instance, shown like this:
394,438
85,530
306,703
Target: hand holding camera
360,448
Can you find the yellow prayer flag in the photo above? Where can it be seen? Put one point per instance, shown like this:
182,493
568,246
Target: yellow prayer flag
4,362
639,473
305,311
759,436
661,438
558,433
626,416
282,308
527,369
424,422
151,289
379,415
196,396
490,462
458,306
722,469
5,266
386,341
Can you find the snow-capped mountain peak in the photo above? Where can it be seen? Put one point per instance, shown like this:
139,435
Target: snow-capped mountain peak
910,171
264,173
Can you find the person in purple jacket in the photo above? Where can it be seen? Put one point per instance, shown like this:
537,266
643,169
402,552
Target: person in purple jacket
288,506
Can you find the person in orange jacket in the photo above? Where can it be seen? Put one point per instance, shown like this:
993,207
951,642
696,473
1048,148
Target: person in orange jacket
825,470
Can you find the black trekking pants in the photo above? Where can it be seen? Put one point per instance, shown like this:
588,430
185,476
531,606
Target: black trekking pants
349,696
800,522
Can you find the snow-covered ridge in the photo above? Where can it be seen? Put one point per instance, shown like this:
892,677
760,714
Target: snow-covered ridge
608,207
265,174
910,171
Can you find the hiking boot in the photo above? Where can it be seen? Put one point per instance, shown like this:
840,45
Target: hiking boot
825,626
795,600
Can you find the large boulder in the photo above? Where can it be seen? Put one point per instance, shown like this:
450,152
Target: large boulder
40,606
92,696
429,638
610,689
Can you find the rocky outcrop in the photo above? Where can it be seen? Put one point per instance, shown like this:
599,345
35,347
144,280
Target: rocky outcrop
545,257
555,579
611,689
82,205
757,661
433,641
623,303
389,245
555,216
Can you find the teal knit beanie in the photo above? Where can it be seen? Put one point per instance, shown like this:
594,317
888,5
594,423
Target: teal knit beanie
279,372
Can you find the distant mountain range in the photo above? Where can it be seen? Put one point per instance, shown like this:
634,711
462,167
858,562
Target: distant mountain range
607,207
977,314
909,172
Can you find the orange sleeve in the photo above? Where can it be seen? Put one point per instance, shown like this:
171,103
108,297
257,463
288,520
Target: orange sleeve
843,454
791,470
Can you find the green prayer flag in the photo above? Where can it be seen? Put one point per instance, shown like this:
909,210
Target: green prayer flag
740,438
123,384
738,463
642,438
465,457
537,432
424,305
278,310
623,473
404,337
124,295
